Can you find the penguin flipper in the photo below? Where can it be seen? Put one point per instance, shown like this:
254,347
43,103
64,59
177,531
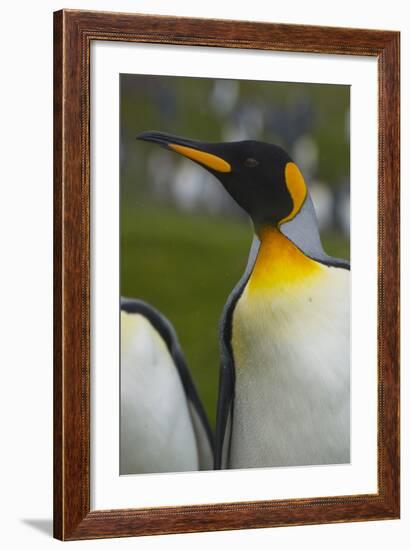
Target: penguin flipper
224,414
164,427
224,420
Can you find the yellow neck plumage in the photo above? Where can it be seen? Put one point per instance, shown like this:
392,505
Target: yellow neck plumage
280,263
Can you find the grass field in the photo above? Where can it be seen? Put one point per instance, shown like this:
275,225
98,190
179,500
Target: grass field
186,265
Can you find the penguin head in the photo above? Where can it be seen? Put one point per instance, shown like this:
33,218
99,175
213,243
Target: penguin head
260,177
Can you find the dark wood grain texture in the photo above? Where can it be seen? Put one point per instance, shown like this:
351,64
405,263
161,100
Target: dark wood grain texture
73,33
57,302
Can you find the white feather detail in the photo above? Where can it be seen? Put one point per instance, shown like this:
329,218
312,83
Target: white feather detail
292,374
157,434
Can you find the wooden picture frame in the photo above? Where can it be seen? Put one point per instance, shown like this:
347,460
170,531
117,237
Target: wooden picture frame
74,32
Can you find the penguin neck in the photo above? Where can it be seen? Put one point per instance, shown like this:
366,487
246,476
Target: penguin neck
280,263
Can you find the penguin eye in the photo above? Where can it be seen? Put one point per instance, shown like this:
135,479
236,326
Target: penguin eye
251,162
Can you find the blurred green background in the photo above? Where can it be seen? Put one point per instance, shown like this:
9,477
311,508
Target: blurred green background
184,243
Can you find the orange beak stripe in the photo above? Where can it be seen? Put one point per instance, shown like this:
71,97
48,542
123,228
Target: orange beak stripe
207,159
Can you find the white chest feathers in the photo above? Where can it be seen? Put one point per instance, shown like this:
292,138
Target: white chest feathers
157,432
291,350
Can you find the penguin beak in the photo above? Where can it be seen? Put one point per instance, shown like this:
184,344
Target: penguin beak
200,152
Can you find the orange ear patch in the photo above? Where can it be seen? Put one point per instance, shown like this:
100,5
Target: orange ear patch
297,188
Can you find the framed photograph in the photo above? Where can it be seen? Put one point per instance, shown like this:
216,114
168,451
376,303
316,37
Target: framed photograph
226,275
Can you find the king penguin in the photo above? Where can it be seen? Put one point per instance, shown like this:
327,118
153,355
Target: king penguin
163,426
284,390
